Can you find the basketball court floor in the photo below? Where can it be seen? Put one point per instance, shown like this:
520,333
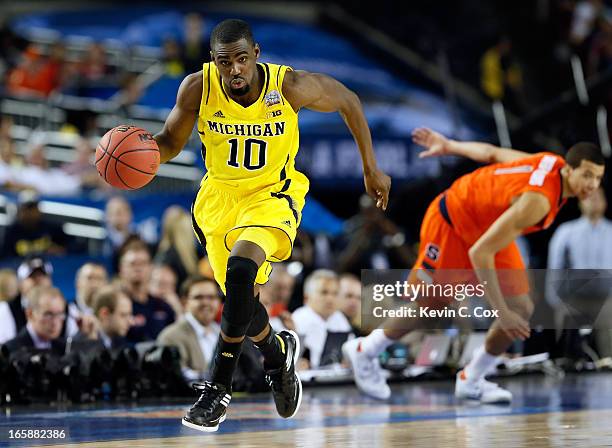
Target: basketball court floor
575,411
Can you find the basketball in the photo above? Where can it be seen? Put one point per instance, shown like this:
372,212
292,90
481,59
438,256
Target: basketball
127,157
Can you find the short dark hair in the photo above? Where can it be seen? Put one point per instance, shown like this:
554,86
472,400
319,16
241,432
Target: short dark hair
193,280
584,151
231,30
106,297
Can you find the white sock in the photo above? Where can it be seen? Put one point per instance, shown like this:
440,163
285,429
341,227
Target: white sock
375,343
480,365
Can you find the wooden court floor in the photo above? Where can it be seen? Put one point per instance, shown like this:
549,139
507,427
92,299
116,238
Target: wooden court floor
573,412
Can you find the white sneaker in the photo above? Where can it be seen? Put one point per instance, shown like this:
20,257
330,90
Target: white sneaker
483,391
367,371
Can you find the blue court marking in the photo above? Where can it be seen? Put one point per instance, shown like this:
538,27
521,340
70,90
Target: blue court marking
321,408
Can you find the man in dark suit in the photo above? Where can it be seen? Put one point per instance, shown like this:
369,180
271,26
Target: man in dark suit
45,313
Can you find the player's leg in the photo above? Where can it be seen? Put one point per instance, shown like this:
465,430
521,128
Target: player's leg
471,383
238,282
440,248
279,350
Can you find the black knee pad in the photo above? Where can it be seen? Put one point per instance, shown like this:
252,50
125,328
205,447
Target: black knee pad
239,300
260,320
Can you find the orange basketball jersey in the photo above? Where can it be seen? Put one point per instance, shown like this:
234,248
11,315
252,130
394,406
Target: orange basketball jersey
476,200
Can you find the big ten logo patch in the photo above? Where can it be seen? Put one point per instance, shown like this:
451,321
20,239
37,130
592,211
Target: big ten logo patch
274,113
432,252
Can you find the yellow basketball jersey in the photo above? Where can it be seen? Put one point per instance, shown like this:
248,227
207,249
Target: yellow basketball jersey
248,148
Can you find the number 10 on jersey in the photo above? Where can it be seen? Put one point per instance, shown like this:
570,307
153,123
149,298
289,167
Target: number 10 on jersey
251,145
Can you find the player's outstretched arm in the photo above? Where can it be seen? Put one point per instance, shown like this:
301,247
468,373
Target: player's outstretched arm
437,145
529,209
179,124
324,94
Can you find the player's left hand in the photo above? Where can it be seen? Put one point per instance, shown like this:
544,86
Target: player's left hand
377,185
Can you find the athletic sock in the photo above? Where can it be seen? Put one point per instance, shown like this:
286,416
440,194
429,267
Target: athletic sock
480,365
272,347
375,343
225,362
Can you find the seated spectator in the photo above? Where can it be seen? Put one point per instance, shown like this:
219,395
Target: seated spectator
31,273
196,335
88,280
163,285
9,287
120,226
32,234
177,247
196,49
151,314
37,175
94,67
171,56
35,76
322,327
350,301
83,167
280,286
46,313
113,310
279,321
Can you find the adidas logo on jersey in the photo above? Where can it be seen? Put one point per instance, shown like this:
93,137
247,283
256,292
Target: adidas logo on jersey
219,114
287,223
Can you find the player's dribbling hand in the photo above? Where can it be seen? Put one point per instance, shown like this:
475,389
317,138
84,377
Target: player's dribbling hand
434,142
514,325
377,185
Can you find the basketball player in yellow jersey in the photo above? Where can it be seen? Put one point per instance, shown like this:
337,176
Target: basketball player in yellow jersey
249,204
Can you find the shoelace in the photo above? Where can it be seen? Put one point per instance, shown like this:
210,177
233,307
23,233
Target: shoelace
210,396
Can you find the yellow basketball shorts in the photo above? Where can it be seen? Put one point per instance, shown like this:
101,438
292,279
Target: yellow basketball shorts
268,217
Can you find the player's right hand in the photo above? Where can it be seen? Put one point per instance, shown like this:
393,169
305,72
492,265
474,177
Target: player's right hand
514,325
435,143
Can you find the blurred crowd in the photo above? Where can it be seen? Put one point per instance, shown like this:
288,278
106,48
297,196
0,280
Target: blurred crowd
31,70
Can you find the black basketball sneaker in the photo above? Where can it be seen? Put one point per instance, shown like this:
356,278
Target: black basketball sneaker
206,414
284,381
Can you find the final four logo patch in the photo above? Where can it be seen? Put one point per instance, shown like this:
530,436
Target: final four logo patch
272,97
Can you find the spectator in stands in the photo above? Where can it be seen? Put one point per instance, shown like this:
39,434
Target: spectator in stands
113,310
583,243
88,280
46,313
151,314
35,76
120,227
196,49
31,273
321,326
83,167
94,66
11,46
372,241
350,300
8,156
501,78
9,287
177,247
584,22
280,286
172,59
278,320
163,285
196,335
32,234
37,175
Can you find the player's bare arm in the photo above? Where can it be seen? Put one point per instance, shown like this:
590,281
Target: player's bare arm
322,93
438,145
529,209
181,120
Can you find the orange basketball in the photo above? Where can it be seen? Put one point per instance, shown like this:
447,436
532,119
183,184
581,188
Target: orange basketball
127,157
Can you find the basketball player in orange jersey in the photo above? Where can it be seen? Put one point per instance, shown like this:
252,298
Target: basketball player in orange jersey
472,226
249,205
